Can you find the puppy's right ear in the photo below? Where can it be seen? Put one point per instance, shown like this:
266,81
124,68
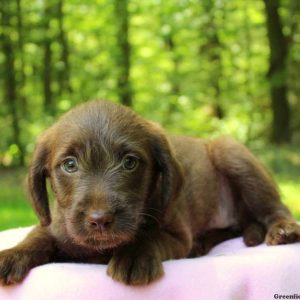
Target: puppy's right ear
37,183
168,166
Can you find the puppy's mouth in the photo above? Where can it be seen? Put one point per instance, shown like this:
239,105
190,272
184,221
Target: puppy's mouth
98,239
106,240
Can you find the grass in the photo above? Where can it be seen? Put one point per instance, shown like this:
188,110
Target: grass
284,163
15,209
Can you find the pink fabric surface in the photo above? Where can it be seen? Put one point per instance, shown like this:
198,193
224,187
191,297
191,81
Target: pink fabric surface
229,271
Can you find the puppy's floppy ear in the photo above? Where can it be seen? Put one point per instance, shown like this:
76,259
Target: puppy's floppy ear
37,183
169,168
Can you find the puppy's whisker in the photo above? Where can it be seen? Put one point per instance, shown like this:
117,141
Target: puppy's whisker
154,209
150,216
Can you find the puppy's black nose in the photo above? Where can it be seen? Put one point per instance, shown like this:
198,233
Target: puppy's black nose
100,219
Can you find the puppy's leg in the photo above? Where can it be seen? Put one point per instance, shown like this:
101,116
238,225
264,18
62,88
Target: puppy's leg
254,234
203,244
35,250
256,189
141,261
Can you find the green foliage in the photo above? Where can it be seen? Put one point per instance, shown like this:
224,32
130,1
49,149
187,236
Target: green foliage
197,67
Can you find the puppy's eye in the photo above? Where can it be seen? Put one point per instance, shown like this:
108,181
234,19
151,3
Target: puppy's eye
70,165
129,162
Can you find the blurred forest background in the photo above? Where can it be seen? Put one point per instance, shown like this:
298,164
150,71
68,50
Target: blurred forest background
198,67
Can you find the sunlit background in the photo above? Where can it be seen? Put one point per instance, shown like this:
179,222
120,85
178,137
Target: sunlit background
198,67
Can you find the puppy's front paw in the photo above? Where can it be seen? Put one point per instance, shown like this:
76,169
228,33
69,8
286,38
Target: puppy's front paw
14,265
283,232
134,267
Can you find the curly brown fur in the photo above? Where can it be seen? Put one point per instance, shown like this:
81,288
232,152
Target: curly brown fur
131,196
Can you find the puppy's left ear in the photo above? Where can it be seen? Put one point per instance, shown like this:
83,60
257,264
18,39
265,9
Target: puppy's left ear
37,187
171,176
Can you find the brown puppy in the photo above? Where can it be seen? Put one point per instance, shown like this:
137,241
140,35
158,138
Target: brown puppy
128,195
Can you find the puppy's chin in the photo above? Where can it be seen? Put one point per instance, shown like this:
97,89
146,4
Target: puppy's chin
110,241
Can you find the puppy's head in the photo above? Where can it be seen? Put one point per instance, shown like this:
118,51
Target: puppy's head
110,171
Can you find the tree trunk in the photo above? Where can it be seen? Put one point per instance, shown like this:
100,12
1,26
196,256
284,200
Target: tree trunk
47,61
10,84
22,79
249,72
64,73
123,54
281,132
213,48
173,78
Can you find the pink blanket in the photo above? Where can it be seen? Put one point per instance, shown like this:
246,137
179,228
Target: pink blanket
229,271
